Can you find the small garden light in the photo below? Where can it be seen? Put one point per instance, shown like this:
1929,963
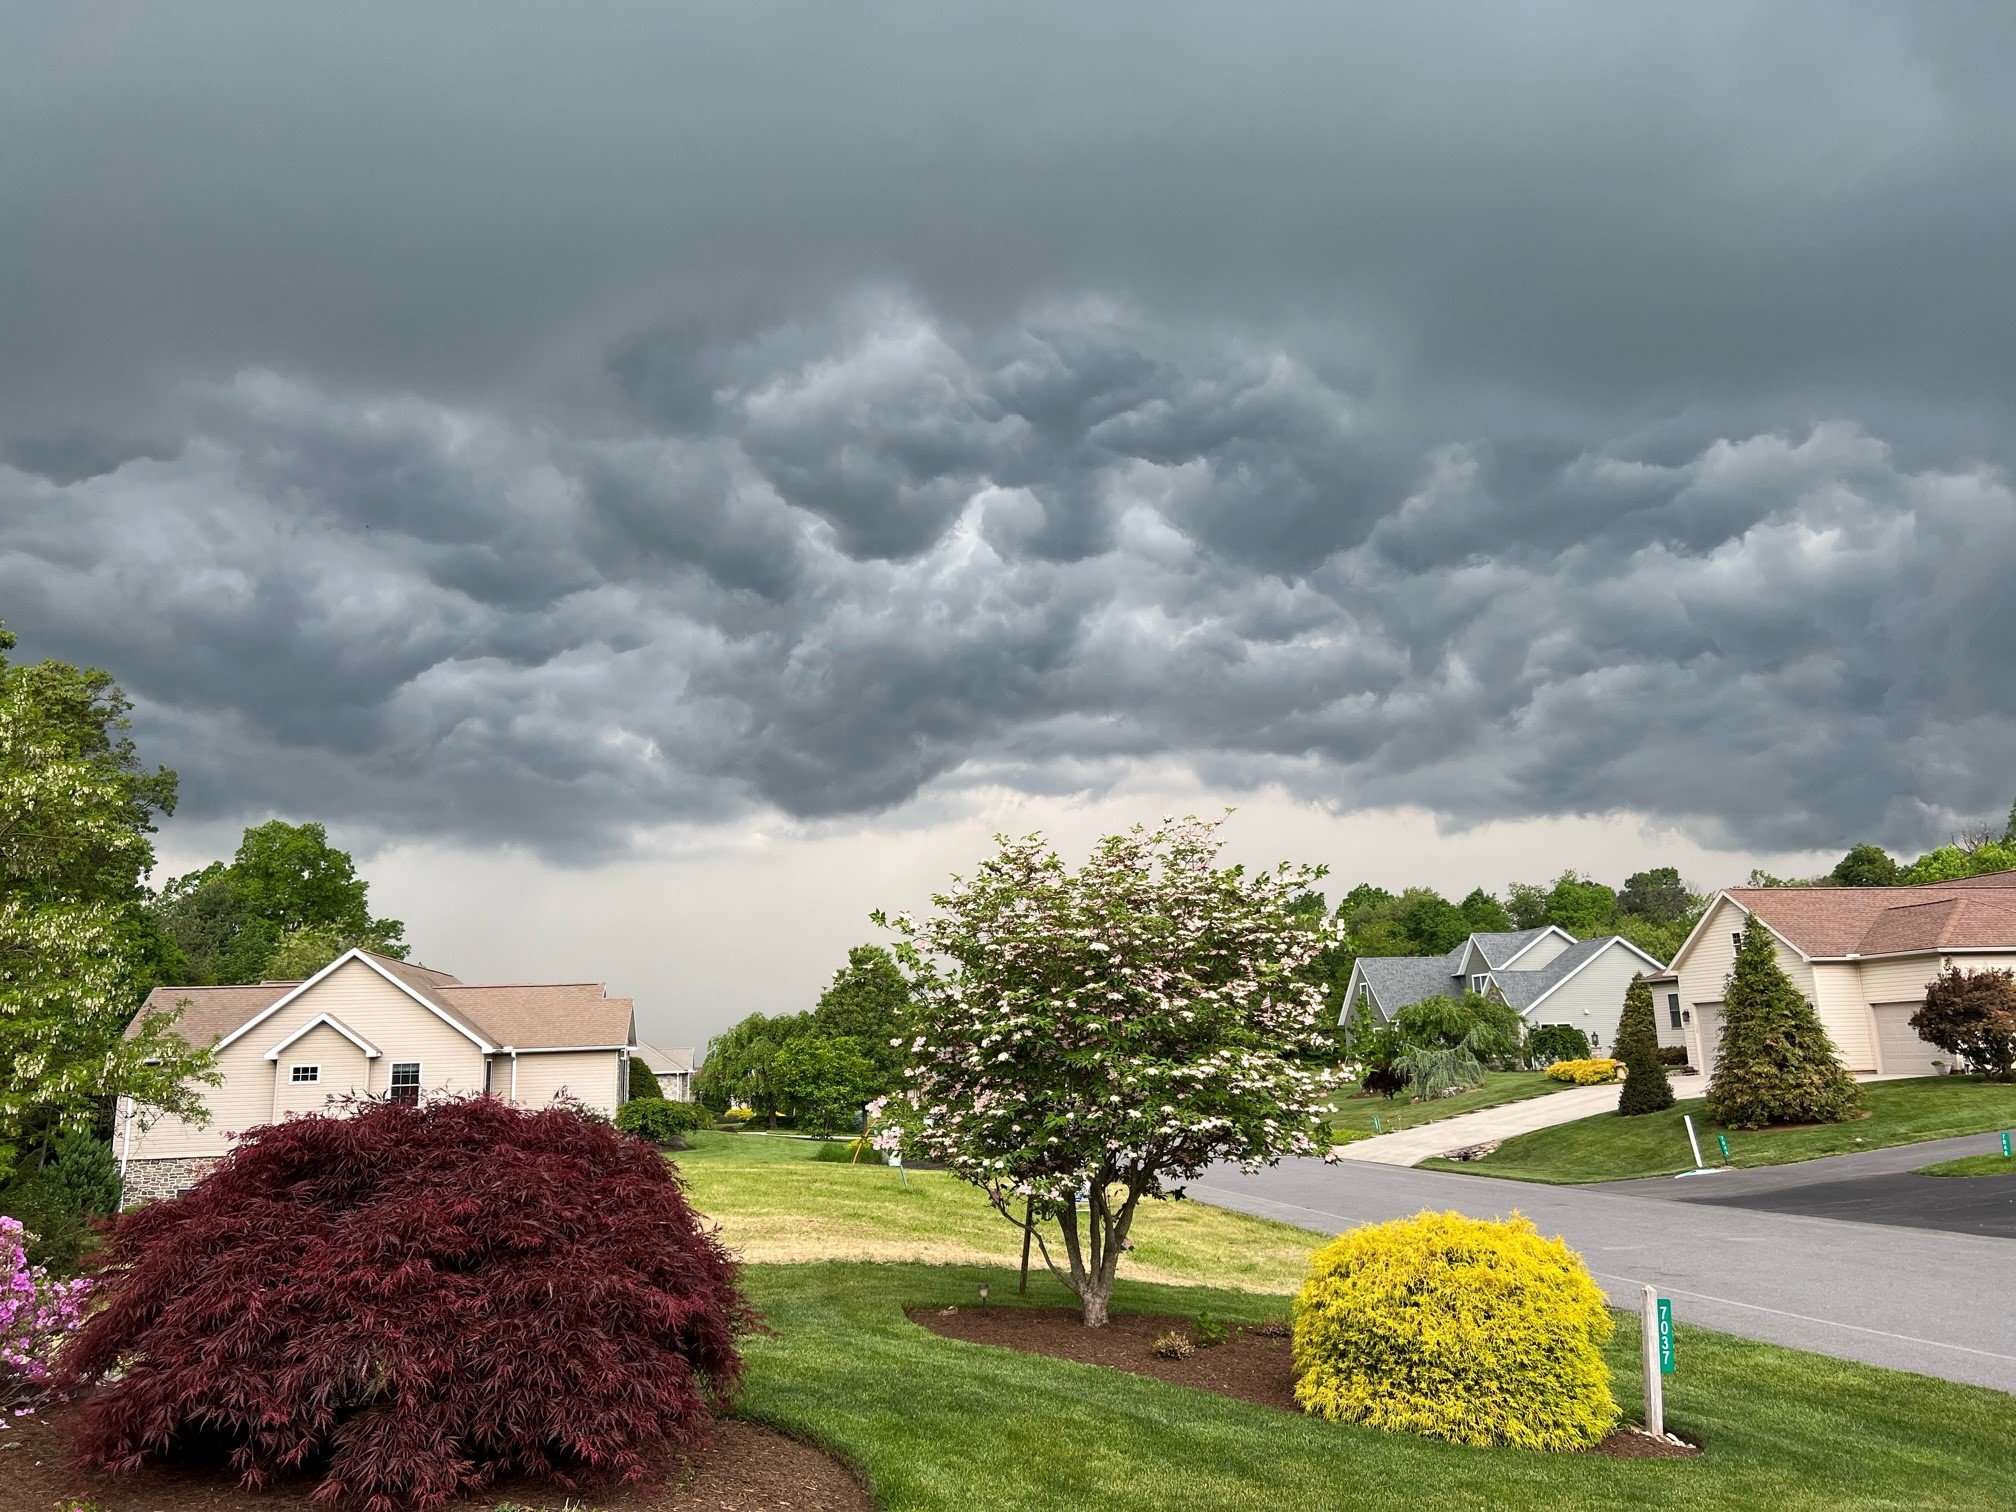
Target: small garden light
983,1296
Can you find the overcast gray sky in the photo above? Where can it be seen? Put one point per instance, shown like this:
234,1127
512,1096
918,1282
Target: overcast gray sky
661,481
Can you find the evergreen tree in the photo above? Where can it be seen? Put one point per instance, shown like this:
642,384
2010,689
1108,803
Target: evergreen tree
1776,1064
1646,1089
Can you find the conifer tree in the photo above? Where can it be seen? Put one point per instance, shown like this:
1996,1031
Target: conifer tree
1776,1064
1646,1089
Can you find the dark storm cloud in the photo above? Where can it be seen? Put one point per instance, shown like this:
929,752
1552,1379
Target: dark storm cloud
486,425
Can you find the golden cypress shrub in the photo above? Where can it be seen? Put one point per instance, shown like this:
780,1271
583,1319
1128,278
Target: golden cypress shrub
1585,1073
1464,1329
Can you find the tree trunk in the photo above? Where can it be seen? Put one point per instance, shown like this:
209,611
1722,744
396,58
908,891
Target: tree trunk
1094,1303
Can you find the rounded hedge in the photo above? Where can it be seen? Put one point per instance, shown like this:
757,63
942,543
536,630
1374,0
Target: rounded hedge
661,1120
1458,1328
411,1301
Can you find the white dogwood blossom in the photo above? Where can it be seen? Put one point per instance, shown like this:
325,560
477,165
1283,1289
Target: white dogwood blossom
1098,1036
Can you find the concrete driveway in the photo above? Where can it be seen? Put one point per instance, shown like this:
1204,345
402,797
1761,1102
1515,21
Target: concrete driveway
1904,1297
1412,1146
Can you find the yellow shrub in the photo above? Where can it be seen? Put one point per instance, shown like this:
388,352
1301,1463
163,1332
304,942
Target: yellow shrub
1465,1329
1585,1073
738,1114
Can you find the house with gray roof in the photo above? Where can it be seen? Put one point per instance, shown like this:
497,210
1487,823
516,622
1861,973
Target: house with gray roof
1547,974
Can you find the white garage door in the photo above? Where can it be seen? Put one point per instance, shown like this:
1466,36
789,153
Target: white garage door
1708,1019
1902,1052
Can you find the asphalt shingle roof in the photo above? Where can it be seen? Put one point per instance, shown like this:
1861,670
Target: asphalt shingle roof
1522,989
1498,948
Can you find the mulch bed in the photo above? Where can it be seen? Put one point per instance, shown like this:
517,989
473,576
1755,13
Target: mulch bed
1252,1367
744,1469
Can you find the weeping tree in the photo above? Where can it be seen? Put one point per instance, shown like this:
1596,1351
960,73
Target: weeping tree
1088,1039
1646,1089
1434,1071
1776,1064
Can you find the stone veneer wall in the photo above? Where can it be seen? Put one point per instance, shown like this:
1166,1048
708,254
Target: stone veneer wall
151,1180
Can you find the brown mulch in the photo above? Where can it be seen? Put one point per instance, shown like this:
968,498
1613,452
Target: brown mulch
744,1468
1252,1367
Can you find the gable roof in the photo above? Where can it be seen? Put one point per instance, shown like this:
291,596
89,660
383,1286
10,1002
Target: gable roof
664,1062
525,1016
1503,947
1397,981
1818,922
1522,989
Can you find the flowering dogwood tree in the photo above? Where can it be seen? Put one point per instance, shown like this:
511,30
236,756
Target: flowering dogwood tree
1091,1038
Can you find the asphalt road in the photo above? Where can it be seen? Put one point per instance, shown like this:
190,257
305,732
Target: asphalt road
1909,1298
1873,1187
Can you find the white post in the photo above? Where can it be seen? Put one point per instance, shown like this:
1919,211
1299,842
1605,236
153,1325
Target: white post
1655,1387
1694,1140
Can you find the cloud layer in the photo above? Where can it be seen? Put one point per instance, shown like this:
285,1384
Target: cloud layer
538,428
828,567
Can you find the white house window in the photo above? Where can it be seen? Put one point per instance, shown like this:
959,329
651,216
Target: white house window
405,1083
1477,983
300,1074
1736,939
1673,1009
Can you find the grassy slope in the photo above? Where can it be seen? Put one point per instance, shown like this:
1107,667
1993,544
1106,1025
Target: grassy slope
1353,1116
1609,1148
937,1424
778,1204
1992,1164
932,1423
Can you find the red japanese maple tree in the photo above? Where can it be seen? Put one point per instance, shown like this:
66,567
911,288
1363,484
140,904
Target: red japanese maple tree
411,1301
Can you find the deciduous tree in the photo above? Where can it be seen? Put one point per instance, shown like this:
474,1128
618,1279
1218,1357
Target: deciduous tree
1095,1037
76,810
1971,1015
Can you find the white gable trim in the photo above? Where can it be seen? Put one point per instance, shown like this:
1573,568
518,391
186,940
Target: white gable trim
1713,908
358,955
370,1050
1615,941
1550,929
1357,984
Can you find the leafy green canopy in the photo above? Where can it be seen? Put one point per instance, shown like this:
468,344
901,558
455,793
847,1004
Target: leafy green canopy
1776,1064
1094,1037
1646,1089
285,905
866,1004
77,952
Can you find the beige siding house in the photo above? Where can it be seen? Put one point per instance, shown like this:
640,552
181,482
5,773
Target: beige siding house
367,1025
673,1068
1861,956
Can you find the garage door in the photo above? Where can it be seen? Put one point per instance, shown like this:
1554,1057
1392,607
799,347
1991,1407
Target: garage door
1897,1044
1708,1019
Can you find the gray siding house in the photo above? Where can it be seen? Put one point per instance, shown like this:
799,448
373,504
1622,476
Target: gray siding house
1547,974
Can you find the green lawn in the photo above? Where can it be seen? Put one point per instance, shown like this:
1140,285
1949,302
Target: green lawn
1607,1147
777,1203
1992,1164
932,1423
1353,1116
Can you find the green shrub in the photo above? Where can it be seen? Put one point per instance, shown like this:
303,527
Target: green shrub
1646,1089
660,1120
1458,1328
1547,1043
85,1168
1585,1073
59,1231
1672,1055
1379,1052
643,1081
1776,1063
1489,1029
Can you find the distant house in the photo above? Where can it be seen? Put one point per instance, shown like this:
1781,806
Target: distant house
1547,974
673,1068
372,1026
1862,956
